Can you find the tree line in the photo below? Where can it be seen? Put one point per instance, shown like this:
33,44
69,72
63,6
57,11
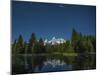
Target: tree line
78,43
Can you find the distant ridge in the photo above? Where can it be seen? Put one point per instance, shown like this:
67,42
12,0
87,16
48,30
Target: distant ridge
54,41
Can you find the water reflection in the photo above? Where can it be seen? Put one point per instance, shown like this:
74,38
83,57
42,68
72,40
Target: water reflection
54,65
48,63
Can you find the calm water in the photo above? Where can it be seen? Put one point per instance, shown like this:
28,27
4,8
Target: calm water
51,63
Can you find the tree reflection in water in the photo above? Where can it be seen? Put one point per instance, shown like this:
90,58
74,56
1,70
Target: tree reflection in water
50,63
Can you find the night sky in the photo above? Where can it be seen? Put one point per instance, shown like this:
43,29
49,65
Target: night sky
47,20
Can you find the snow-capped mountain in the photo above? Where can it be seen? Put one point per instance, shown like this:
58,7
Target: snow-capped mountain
54,41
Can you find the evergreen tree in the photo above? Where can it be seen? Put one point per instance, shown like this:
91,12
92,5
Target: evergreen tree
20,44
68,47
42,47
39,46
93,42
74,39
25,47
14,47
90,45
31,43
41,42
49,48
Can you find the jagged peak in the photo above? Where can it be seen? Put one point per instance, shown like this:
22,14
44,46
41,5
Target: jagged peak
54,41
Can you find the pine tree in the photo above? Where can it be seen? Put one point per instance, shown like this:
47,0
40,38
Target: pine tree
68,47
90,45
25,47
42,47
41,42
74,39
14,47
20,44
31,43
39,46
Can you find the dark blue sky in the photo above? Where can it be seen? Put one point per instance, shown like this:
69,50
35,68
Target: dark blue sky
47,20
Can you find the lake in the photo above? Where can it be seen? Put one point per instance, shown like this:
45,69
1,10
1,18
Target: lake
38,63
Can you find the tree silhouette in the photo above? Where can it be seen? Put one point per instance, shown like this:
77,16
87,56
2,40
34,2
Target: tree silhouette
20,45
74,39
39,46
31,43
14,47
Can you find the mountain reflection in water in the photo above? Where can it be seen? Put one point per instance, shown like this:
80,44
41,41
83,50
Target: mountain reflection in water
51,63
54,65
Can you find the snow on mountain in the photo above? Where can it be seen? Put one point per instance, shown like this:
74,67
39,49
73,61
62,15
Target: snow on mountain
54,41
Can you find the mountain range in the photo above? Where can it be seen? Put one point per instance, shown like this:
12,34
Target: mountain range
54,41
